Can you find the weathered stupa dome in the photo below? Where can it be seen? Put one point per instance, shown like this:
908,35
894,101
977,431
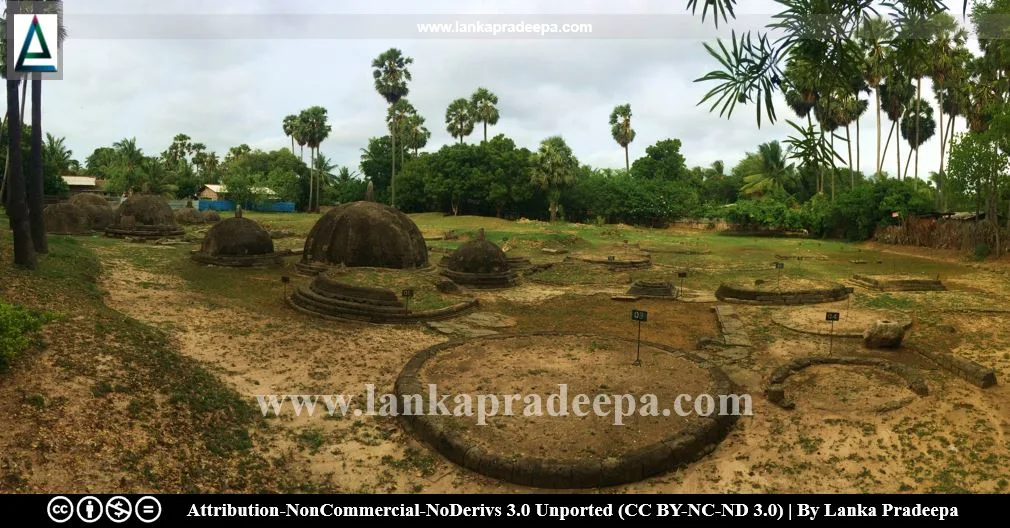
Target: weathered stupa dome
145,216
66,219
481,264
96,207
364,234
237,242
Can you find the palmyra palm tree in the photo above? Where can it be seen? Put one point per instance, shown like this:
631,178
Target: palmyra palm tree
391,75
485,108
621,131
459,119
316,131
896,93
917,126
289,124
948,52
398,117
874,36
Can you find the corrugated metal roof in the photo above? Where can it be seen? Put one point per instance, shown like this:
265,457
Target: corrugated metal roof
79,181
221,189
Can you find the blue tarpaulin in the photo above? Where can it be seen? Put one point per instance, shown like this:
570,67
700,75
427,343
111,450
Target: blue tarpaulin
228,205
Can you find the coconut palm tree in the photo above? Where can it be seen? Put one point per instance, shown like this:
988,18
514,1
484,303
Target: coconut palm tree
390,72
288,125
774,174
555,168
485,108
459,119
874,37
621,131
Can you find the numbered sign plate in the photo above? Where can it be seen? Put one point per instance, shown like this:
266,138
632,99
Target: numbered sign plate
639,315
780,265
610,258
682,274
831,316
407,292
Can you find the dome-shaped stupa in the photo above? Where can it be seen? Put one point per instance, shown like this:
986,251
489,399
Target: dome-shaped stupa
144,216
479,263
237,242
364,234
65,219
96,207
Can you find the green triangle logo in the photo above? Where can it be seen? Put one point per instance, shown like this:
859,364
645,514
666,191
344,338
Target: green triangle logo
33,30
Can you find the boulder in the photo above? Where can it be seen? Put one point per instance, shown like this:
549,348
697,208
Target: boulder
885,334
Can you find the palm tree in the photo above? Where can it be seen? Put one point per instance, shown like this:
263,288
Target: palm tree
912,55
485,109
56,154
896,93
874,36
397,118
316,131
555,168
289,124
459,119
391,75
917,126
298,134
620,129
130,158
946,54
415,134
774,174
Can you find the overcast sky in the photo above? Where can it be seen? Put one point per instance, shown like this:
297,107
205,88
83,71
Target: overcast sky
229,80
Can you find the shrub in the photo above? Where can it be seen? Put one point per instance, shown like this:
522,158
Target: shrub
981,251
16,326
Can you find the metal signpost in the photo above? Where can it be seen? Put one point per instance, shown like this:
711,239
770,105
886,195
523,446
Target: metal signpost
407,293
778,268
682,275
641,316
831,316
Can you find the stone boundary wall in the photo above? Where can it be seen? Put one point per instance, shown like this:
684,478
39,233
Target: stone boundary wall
775,388
965,368
676,451
237,261
733,294
884,284
143,231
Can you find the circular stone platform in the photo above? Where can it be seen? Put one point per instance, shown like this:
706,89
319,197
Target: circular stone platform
337,294
364,234
852,322
775,388
237,243
899,282
144,216
790,291
565,451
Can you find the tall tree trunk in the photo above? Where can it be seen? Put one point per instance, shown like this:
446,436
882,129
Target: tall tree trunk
17,209
36,186
858,151
908,160
848,144
887,144
834,172
292,144
897,147
877,97
312,177
485,130
627,163
918,102
392,173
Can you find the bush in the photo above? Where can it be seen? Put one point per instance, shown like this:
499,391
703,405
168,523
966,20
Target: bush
16,325
981,251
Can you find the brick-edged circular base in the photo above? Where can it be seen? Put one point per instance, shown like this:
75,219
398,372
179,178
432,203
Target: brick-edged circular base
311,269
898,283
237,261
519,263
669,453
487,281
139,231
775,388
332,299
852,321
790,293
644,288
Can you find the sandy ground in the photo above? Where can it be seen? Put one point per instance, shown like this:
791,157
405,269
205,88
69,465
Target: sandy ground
837,440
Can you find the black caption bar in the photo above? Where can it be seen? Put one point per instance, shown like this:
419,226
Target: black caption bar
326,510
